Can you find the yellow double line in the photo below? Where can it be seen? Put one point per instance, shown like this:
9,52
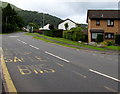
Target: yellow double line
9,86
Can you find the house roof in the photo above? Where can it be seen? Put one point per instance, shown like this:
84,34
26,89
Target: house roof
66,20
103,14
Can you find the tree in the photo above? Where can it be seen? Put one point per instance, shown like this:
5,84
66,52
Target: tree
51,27
66,26
10,21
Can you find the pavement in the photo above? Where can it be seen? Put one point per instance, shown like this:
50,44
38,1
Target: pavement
0,73
38,66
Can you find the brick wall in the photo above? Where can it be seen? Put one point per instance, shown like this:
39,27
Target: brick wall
103,25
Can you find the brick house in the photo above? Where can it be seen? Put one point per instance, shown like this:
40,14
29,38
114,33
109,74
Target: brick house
105,22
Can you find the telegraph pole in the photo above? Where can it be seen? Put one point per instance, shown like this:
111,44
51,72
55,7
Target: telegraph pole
43,19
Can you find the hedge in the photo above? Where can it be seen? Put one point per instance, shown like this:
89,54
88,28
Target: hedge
74,34
117,39
53,33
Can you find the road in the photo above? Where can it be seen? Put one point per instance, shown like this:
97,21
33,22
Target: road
38,66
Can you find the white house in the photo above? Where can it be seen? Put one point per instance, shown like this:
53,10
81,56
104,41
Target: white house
46,27
71,24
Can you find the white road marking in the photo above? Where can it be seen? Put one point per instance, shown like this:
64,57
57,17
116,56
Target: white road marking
13,36
77,73
18,40
112,90
115,79
57,56
33,47
59,64
23,42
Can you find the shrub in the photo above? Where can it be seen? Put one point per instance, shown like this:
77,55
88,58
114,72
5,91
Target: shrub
78,35
51,27
117,39
53,33
68,34
74,34
99,38
48,33
110,43
104,43
58,33
85,39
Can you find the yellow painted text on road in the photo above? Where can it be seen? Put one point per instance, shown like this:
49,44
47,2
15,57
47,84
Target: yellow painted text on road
37,69
24,70
14,59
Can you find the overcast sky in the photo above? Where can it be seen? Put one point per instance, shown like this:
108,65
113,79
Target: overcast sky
75,10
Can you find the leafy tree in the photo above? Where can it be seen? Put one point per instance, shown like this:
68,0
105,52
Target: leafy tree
51,27
35,25
10,21
66,26
35,17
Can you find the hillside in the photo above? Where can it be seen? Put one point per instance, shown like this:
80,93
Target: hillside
4,4
34,17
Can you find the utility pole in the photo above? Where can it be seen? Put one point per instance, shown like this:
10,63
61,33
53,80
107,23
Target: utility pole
43,19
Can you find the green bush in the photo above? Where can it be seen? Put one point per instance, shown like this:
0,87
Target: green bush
104,43
117,39
58,33
110,43
85,39
99,38
68,34
53,33
77,36
48,33
74,34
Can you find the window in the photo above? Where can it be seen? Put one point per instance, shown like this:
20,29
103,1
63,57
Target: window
110,23
94,35
109,35
97,22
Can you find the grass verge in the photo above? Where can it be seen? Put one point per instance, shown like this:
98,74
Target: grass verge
70,42
113,47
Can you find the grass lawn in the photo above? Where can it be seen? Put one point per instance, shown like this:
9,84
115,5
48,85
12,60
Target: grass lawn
70,42
113,47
